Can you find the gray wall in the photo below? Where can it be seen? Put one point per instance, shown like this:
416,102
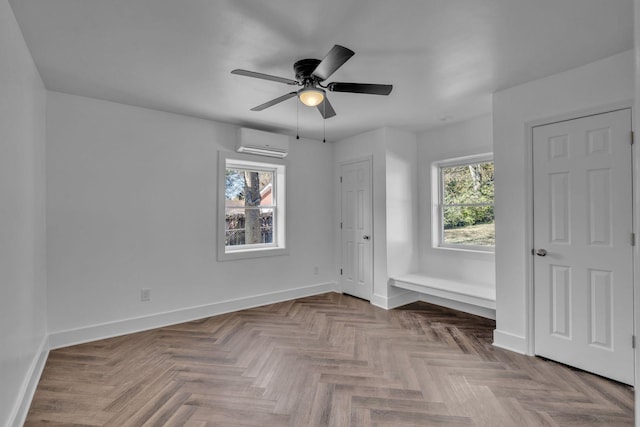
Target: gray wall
22,218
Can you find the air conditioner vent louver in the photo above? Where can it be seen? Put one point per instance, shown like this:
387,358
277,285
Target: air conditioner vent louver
262,143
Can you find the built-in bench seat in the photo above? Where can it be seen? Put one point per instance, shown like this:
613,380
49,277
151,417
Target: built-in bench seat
469,293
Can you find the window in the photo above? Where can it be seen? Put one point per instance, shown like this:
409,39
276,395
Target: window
464,206
252,214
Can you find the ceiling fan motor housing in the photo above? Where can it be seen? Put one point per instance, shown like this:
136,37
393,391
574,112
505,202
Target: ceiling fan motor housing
304,68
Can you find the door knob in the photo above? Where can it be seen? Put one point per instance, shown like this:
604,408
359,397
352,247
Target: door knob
541,252
366,237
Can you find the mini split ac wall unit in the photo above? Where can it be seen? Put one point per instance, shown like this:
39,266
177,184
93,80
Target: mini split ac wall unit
253,141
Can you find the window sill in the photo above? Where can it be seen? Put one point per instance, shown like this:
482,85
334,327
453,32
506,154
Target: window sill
252,253
470,250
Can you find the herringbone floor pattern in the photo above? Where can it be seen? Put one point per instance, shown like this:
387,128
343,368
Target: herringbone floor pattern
327,360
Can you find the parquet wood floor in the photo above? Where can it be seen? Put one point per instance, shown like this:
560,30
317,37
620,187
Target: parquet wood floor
327,360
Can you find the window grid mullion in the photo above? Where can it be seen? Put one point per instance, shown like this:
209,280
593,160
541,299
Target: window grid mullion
250,207
466,205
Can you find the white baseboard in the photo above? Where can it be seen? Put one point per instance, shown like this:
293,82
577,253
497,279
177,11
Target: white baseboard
397,300
509,341
128,326
29,386
379,301
402,299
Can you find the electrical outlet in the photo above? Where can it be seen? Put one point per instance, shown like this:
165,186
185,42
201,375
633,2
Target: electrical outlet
145,294
316,270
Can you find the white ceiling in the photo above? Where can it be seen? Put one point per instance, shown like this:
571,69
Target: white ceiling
443,57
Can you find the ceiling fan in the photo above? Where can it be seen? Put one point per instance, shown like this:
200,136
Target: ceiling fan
310,73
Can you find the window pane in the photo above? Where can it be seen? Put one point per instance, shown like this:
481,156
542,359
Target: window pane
468,184
248,226
234,227
246,187
468,226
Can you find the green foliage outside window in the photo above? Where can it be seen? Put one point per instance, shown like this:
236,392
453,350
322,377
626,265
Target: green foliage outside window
467,204
468,185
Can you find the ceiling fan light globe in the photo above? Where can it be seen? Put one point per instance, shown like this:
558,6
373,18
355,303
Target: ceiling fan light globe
311,97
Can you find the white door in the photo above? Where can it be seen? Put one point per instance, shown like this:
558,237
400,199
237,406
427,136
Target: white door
357,255
583,268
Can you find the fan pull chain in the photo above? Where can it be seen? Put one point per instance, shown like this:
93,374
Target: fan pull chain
297,118
324,121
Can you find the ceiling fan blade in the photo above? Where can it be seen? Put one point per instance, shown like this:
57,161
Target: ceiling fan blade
337,56
326,109
263,76
274,101
372,89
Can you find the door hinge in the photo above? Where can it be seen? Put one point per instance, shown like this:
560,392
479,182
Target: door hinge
633,341
340,226
633,135
340,179
633,239
341,272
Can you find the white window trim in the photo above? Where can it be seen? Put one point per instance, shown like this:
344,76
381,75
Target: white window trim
437,230
278,247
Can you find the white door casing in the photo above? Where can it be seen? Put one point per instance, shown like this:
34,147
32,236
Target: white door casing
583,220
356,237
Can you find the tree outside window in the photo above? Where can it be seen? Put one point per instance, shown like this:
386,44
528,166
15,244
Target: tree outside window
249,206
